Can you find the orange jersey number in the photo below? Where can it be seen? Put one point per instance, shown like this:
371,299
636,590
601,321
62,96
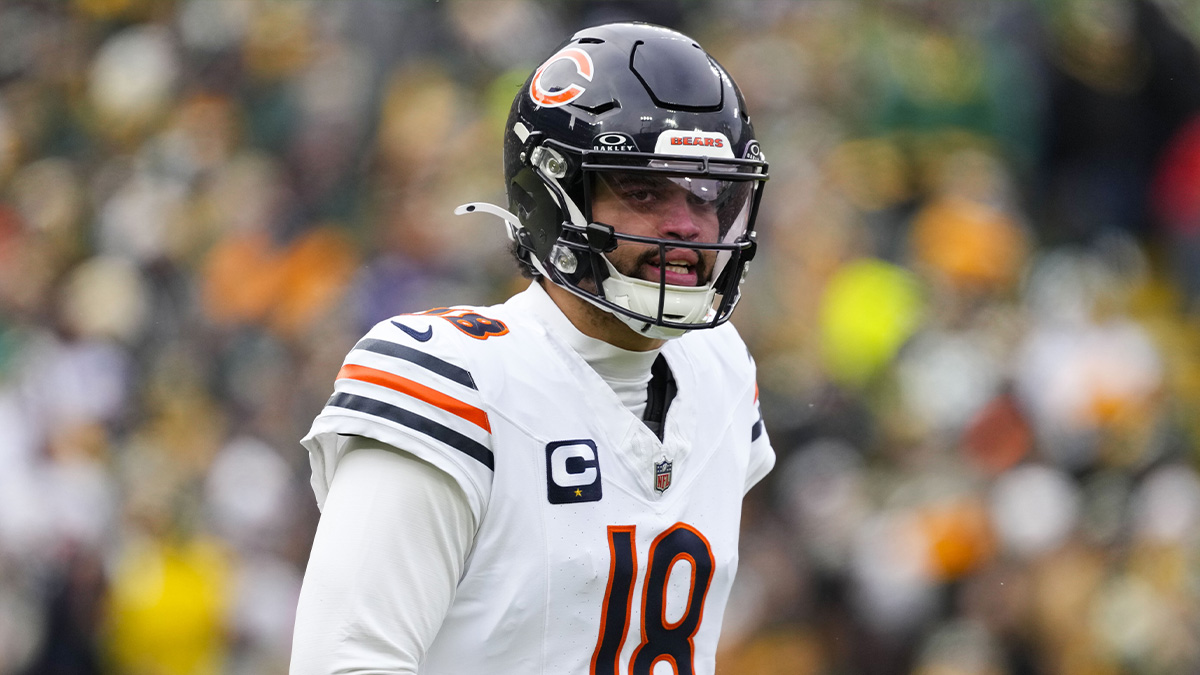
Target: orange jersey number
472,323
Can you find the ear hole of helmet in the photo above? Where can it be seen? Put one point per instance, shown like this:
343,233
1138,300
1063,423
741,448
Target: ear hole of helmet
537,210
525,202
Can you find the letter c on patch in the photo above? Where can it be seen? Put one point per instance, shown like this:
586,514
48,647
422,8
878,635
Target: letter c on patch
573,472
570,474
554,98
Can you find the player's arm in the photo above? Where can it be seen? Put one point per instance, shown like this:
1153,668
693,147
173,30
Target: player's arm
762,455
388,553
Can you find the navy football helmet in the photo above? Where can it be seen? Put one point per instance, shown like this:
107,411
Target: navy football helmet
634,123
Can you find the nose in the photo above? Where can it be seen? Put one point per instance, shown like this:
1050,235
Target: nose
681,220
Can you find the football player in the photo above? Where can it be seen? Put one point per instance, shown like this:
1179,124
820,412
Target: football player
554,484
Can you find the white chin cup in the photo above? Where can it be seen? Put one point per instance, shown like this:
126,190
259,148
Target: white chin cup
681,304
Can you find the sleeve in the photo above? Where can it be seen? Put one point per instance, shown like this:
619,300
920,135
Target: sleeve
762,455
386,559
408,388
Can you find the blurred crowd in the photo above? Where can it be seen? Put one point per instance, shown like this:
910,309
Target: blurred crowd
976,313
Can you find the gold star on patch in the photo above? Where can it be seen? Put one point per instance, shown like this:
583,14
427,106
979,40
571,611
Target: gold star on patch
578,492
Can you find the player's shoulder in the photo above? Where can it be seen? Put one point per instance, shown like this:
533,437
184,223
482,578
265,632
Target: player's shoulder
415,382
459,344
458,327
723,345
716,354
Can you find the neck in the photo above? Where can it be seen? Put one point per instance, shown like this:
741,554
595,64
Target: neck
597,323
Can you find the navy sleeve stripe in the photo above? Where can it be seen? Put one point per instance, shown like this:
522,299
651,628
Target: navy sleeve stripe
467,446
432,363
757,430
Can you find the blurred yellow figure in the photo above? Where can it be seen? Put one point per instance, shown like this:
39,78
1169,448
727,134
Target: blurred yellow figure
168,608
869,310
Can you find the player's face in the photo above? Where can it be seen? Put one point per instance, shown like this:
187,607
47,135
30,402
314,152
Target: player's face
673,208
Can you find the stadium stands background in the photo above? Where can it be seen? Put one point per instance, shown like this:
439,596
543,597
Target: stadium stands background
976,313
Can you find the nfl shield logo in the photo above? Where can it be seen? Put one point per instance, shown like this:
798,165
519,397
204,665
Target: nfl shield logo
662,475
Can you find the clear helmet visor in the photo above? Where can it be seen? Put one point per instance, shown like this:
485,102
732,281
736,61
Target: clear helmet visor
677,230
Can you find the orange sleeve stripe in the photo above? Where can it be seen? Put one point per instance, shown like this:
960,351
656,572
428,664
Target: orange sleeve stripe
419,391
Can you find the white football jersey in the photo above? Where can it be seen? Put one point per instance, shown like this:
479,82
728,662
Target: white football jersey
600,548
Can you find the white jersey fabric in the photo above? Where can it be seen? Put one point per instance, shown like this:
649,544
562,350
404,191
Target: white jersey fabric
597,547
372,602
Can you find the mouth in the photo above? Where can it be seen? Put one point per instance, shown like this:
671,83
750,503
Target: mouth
682,268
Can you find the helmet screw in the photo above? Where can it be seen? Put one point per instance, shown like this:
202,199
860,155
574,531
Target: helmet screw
549,161
563,259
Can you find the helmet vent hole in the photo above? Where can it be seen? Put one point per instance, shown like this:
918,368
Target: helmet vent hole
591,41
600,108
